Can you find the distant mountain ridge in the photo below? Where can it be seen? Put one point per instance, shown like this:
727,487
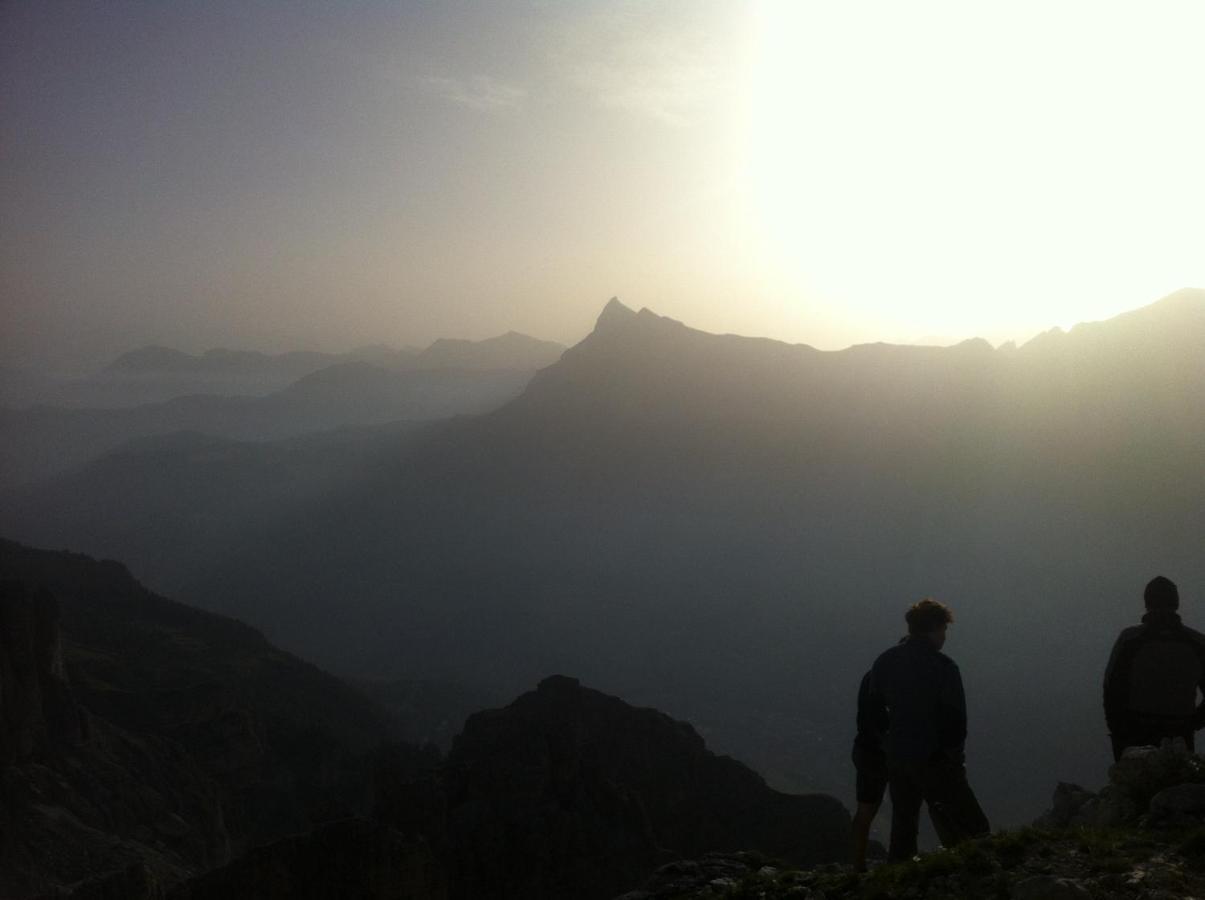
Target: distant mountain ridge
458,378
155,374
508,351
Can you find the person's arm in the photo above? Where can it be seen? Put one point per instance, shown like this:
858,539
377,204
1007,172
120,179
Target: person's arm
1198,721
952,714
872,717
1114,688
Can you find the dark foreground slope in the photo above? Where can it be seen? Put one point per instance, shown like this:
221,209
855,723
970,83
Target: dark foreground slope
729,529
140,732
152,750
1142,837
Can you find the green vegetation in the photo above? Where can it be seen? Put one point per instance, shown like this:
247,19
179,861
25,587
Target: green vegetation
1105,862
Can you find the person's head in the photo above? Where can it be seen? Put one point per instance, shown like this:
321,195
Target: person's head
1161,593
929,619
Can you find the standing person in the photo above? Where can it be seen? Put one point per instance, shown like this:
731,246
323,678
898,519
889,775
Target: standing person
870,763
1153,675
917,690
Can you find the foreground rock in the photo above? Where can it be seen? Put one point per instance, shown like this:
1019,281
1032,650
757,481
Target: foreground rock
570,793
1140,837
1157,787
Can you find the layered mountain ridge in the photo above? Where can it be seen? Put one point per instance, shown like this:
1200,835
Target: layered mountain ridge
729,528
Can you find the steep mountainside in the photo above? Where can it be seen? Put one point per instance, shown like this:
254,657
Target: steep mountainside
138,731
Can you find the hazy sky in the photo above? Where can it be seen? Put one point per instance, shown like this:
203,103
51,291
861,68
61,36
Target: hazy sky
325,174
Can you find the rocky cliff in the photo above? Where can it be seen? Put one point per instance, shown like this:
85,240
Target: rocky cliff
570,793
37,708
142,739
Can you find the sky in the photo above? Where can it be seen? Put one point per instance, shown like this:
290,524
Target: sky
294,174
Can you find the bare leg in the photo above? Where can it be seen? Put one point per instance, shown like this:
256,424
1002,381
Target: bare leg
863,819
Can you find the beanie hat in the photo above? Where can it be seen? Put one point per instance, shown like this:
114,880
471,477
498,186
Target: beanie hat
1161,593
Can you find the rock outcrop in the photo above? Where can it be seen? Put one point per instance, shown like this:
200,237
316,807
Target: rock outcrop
1150,786
37,709
572,793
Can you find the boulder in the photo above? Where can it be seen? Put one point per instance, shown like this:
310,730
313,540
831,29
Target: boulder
1066,804
1183,804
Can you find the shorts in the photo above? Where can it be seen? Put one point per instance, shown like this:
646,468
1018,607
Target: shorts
872,775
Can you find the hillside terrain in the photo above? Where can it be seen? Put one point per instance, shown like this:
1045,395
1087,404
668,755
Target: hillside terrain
153,750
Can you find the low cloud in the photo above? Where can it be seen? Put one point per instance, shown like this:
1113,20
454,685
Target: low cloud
479,92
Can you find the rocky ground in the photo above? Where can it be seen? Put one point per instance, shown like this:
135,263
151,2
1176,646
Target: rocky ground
1142,836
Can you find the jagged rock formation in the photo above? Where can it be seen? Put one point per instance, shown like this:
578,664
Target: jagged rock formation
81,797
37,708
1151,786
570,793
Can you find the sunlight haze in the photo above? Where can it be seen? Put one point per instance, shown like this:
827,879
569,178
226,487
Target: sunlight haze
314,175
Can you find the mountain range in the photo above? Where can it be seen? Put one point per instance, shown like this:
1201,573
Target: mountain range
726,528
154,374
322,392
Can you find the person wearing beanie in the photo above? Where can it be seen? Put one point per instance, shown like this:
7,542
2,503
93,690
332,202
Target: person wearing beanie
912,710
1153,676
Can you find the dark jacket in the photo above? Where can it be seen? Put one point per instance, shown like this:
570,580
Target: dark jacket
872,720
917,691
1154,673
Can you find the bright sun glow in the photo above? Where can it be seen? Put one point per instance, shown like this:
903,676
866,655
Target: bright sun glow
939,166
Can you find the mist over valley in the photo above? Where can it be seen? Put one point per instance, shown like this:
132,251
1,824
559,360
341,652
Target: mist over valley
725,528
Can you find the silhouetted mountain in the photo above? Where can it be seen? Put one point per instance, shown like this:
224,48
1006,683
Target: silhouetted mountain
165,360
157,374
508,351
569,793
730,529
